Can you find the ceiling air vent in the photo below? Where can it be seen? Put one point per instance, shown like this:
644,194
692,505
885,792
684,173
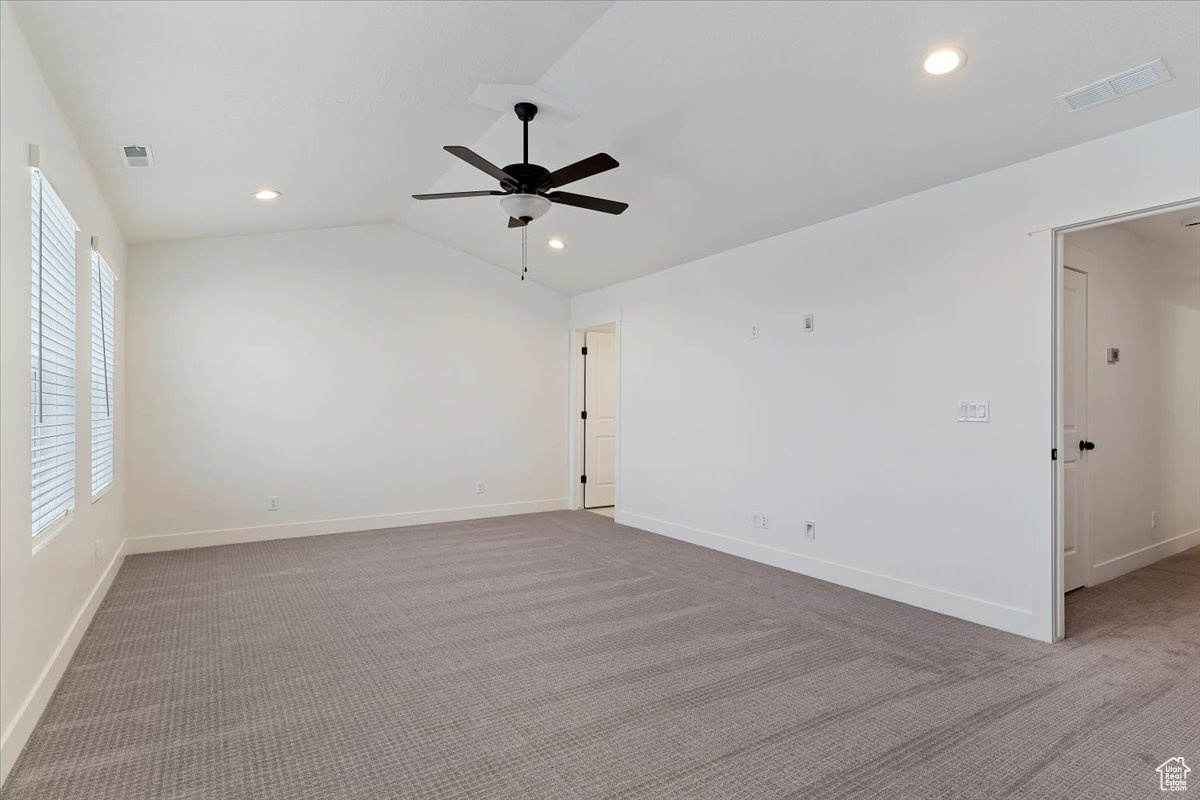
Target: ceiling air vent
137,155
1127,82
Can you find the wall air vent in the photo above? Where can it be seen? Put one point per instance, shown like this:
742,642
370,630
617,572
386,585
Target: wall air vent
1127,82
137,155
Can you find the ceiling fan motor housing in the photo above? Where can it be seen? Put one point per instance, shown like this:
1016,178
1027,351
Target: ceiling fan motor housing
529,177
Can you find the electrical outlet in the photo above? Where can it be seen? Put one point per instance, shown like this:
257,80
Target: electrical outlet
758,519
1153,519
810,530
754,330
480,487
763,519
272,503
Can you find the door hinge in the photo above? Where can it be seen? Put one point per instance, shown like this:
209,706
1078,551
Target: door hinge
583,478
584,351
1054,454
583,415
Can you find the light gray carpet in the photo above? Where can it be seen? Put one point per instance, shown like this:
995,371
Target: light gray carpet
564,656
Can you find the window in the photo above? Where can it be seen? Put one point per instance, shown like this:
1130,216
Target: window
103,327
52,400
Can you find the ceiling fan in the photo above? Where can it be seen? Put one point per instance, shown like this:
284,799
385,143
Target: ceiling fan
528,190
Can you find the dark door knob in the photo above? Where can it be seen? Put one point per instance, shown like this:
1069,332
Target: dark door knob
1085,445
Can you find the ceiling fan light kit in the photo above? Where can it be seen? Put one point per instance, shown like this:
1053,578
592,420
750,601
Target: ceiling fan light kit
526,207
527,190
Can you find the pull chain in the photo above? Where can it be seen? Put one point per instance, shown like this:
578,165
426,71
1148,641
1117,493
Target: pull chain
524,250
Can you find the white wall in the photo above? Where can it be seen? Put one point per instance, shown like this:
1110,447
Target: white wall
366,376
46,599
940,296
1144,411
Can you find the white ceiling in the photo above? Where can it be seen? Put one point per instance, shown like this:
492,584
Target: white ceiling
343,106
732,121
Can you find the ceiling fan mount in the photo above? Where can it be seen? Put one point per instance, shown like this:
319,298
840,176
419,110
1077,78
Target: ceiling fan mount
525,111
527,190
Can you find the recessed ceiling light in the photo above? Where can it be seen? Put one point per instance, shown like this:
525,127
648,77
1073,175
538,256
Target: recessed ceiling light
266,194
557,244
944,60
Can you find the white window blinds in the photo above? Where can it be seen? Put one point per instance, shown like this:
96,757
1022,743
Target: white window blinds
52,401
103,308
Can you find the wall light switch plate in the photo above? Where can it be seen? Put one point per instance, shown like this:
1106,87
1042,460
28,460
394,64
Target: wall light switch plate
974,411
810,530
1114,355
809,323
480,487
754,330
272,503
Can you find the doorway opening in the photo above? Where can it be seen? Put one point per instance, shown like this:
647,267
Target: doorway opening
1128,398
596,397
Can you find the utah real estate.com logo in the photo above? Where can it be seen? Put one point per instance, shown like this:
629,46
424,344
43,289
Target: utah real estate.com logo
1172,775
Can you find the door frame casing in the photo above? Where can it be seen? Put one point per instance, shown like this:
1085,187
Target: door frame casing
575,402
1057,556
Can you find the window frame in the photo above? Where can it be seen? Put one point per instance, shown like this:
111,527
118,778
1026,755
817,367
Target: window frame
102,275
57,245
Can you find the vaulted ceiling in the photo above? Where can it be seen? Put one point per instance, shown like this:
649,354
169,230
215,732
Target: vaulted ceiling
732,121
343,106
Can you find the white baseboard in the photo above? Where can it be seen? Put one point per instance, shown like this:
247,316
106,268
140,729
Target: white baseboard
972,609
292,530
1143,557
22,726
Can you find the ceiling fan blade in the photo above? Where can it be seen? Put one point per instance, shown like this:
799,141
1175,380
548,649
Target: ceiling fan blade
590,203
479,162
593,165
513,222
445,195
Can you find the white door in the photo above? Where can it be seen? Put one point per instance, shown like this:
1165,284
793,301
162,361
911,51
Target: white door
600,424
1074,354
